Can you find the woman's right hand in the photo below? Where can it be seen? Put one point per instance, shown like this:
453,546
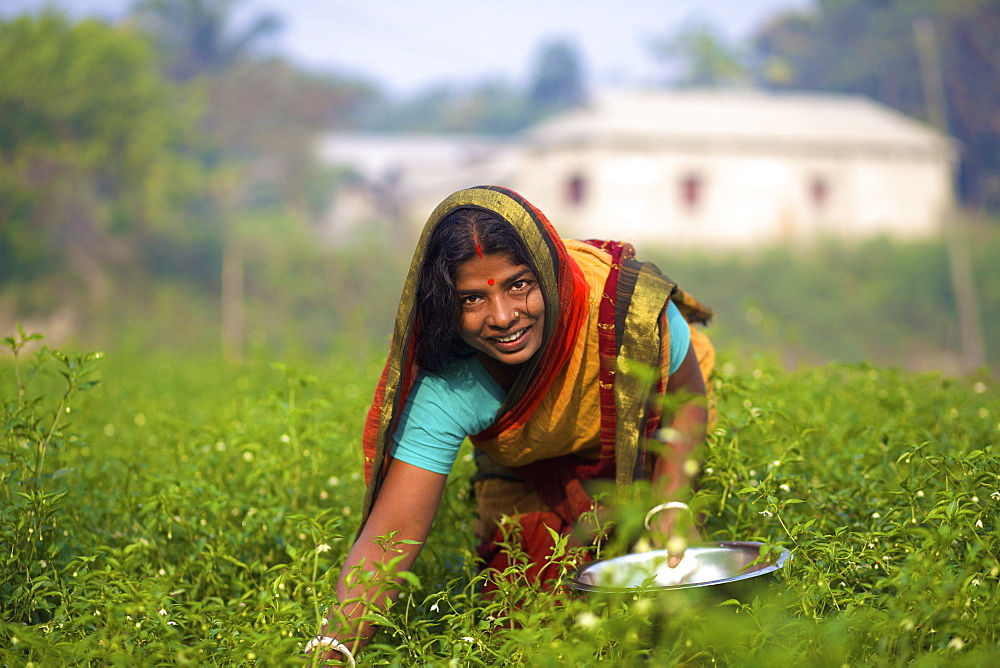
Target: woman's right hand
395,531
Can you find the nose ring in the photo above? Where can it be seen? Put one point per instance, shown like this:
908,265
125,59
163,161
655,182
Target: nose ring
517,314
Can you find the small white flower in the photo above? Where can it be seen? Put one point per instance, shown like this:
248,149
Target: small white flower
785,487
979,524
920,493
875,516
587,620
171,623
247,456
468,639
995,496
435,608
163,611
956,643
766,513
285,438
321,548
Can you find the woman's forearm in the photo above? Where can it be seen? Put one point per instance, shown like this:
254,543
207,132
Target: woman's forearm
686,432
390,543
368,583
675,466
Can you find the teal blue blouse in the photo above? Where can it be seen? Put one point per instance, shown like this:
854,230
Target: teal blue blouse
462,399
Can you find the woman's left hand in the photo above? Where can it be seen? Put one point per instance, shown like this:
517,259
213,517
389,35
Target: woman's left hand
673,529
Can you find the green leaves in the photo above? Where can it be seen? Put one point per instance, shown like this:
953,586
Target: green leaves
194,511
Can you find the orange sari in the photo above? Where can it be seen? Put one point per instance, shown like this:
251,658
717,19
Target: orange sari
605,329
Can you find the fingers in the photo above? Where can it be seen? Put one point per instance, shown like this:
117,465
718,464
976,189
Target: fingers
676,547
674,530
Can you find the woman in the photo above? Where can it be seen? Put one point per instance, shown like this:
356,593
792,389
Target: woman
534,348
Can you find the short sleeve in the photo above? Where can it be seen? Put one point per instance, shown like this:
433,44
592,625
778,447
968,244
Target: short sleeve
441,410
680,336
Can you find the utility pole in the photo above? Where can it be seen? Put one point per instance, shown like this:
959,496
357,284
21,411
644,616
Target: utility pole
973,354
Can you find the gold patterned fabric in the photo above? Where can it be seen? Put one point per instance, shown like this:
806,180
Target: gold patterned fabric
585,403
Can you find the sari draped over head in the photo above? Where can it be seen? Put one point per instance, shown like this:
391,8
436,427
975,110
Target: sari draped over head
630,298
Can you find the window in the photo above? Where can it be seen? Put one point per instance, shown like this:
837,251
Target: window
691,191
819,192
576,190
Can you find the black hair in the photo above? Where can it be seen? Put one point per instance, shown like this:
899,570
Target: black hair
461,235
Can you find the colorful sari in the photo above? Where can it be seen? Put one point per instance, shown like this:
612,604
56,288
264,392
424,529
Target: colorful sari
605,341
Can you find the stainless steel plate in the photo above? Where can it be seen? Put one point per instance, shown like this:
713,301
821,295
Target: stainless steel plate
704,565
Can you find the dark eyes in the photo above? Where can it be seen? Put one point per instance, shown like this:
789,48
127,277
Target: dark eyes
519,286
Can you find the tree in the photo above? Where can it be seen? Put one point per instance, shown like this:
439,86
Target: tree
197,37
867,47
558,80
89,173
699,56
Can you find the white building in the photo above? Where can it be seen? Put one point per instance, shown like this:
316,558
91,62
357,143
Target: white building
706,168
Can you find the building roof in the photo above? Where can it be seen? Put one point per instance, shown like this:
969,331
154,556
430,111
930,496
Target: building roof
740,117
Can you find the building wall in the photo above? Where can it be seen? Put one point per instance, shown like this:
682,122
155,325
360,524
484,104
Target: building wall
718,196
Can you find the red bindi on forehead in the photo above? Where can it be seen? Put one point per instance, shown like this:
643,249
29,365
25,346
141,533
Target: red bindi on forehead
490,281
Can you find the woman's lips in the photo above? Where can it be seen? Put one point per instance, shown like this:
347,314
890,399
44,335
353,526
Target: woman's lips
509,340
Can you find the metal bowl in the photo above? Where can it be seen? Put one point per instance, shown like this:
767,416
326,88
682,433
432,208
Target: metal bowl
728,568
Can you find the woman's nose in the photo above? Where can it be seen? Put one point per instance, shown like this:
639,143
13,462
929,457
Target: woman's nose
502,313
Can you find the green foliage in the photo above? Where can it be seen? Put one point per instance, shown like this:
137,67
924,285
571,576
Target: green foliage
493,106
704,57
196,36
880,301
558,80
33,515
112,175
186,510
88,132
871,48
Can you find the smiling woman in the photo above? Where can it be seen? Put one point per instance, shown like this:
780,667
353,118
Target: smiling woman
527,345
491,322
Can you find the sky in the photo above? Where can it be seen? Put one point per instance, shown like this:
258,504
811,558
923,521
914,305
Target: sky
407,46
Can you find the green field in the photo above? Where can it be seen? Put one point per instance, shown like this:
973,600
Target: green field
159,509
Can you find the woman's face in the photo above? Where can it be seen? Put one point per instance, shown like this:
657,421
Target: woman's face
502,308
